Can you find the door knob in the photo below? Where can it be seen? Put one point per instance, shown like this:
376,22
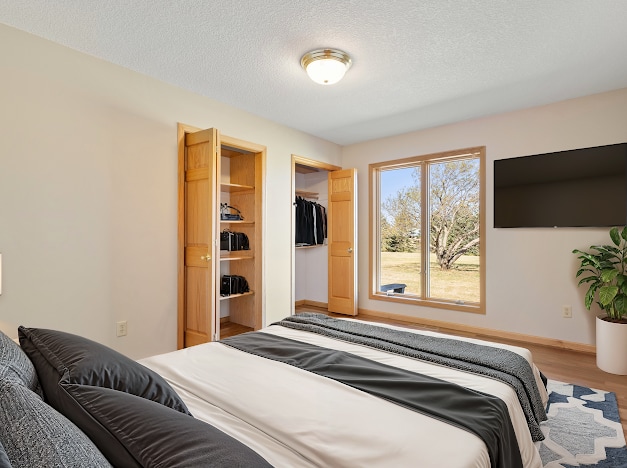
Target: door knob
206,257
350,250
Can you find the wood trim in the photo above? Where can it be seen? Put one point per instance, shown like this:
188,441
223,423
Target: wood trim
439,325
374,200
182,130
260,222
312,163
462,153
472,307
425,251
247,146
307,302
483,235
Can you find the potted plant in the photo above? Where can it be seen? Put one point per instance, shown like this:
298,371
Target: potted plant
603,269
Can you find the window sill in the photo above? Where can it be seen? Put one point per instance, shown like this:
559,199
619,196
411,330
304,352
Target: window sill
471,307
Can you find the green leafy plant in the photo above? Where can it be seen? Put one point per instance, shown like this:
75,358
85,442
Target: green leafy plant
605,270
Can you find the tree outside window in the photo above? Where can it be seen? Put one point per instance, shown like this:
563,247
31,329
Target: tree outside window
427,210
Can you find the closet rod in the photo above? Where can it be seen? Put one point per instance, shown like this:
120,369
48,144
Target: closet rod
302,193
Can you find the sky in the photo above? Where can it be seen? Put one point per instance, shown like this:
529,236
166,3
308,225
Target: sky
394,180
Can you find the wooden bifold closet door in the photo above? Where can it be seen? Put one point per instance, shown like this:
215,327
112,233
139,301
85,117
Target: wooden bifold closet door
197,217
342,215
215,169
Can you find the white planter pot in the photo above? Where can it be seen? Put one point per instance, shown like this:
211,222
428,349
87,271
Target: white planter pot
612,347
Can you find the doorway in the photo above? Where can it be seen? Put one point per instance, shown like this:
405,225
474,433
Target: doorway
314,262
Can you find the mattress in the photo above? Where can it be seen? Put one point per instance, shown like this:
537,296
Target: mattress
296,418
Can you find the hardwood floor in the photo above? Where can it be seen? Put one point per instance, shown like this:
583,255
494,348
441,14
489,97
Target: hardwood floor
230,329
557,364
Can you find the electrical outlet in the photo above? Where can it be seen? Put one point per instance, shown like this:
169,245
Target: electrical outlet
120,328
567,311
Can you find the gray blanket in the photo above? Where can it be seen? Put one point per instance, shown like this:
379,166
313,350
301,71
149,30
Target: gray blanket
500,364
479,413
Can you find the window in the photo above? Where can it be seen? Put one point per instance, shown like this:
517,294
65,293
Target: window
427,223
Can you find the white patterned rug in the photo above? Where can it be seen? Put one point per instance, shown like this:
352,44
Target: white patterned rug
583,429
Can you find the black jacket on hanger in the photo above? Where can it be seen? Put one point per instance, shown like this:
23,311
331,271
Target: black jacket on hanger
311,222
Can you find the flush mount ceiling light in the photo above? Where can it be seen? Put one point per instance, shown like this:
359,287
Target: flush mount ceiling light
326,66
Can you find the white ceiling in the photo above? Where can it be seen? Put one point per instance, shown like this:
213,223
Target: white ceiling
416,63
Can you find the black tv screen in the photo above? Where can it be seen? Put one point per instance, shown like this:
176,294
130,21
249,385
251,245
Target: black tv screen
574,188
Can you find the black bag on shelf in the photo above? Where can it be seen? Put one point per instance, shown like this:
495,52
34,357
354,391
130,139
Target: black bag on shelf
225,240
243,241
233,241
226,215
233,284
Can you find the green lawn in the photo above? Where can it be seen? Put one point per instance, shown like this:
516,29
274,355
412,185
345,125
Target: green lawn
461,283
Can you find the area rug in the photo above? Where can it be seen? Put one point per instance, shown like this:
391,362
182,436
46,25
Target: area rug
583,429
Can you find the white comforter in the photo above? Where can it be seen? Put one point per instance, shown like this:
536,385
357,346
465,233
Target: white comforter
294,418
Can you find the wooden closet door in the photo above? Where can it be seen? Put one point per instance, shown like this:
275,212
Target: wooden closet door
197,192
342,238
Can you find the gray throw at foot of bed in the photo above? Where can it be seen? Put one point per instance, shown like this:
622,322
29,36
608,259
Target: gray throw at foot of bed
477,412
497,363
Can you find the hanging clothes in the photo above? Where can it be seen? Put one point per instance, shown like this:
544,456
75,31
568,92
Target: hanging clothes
311,222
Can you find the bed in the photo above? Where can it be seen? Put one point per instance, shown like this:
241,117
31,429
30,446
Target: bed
294,417
307,391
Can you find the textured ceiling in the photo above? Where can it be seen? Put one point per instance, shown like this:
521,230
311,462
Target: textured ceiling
416,64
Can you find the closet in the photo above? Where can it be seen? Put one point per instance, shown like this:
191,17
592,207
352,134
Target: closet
220,182
325,273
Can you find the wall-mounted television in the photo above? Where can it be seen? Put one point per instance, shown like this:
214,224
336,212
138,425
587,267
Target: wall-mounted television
574,188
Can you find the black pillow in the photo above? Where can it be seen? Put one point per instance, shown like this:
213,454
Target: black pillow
63,359
66,358
154,435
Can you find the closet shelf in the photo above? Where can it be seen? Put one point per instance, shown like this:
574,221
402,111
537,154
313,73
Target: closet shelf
226,221
309,246
229,256
304,194
235,188
233,296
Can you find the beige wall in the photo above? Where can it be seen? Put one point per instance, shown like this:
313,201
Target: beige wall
88,200
530,272
88,194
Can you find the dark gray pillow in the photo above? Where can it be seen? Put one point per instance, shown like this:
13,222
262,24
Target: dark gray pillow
61,357
154,435
15,365
4,458
34,434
